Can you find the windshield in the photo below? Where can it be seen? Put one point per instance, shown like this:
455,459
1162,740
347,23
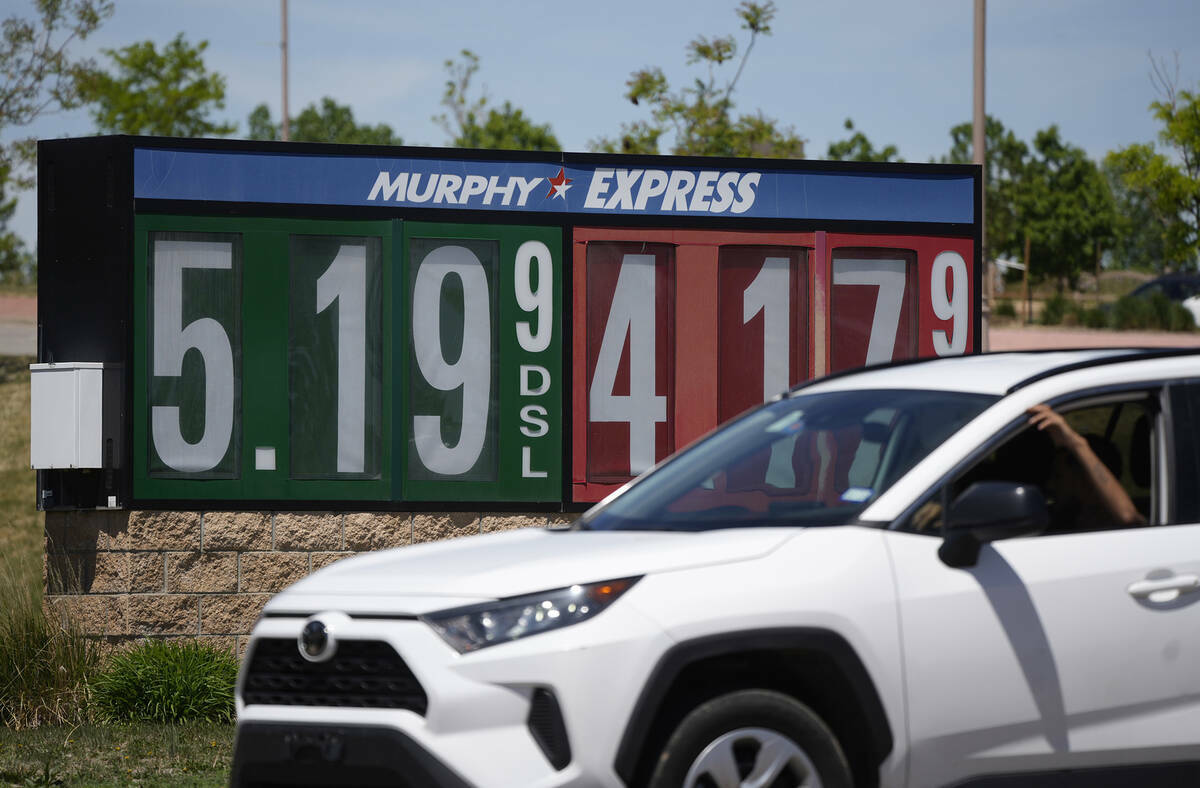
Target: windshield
815,459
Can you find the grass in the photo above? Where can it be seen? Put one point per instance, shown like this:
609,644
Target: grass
18,289
44,664
20,522
117,755
195,754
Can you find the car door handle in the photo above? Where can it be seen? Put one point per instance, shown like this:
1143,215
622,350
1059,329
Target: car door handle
1164,589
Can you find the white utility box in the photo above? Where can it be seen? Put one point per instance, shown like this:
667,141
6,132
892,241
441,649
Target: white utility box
66,415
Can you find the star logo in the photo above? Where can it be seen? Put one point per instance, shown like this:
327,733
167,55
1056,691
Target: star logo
559,185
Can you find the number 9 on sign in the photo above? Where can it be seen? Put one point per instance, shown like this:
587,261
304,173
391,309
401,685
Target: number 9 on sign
453,347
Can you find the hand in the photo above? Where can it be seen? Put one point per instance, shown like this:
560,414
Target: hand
1054,425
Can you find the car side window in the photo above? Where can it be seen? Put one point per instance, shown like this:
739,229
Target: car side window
1185,452
1118,435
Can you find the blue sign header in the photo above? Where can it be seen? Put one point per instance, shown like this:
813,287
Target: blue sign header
465,184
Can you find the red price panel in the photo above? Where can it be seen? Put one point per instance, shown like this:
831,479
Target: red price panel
675,332
763,324
897,297
629,346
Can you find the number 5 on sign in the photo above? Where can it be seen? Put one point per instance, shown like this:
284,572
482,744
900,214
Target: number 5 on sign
194,435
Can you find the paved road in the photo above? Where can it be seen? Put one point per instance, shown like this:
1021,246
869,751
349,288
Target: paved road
18,326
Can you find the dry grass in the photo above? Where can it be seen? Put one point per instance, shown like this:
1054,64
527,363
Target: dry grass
46,661
20,522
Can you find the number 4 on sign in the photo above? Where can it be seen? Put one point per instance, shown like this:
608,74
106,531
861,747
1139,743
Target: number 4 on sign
632,316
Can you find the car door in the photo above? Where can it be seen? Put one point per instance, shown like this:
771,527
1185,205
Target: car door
1073,650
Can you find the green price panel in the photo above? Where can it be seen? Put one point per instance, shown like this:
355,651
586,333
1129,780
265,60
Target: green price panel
262,347
483,334
289,359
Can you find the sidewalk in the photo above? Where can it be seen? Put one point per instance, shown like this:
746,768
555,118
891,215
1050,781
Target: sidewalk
1040,337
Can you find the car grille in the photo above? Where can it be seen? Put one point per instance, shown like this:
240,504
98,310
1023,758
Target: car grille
362,674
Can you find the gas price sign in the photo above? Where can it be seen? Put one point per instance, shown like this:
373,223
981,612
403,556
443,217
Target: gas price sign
322,324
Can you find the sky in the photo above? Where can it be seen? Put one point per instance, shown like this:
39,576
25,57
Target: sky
901,70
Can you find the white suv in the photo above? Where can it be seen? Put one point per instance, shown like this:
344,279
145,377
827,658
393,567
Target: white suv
890,577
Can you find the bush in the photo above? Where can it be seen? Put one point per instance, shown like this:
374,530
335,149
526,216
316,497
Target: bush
1156,313
1094,317
166,682
1054,310
45,661
1005,309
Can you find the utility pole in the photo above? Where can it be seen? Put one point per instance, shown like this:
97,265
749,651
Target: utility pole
979,148
283,46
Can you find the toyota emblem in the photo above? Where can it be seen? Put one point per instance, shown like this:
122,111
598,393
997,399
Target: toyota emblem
316,642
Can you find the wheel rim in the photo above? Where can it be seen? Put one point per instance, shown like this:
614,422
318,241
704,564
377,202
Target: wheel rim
752,758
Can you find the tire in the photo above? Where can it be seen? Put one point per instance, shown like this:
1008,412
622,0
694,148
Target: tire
735,740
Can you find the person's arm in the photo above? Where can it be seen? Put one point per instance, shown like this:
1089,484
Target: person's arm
1111,493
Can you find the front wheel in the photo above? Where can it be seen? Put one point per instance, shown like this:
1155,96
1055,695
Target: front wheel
752,739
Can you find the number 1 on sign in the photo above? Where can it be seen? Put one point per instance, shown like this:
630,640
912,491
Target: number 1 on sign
769,293
345,281
631,316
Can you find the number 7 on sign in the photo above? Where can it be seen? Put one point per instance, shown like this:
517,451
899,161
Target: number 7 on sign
889,276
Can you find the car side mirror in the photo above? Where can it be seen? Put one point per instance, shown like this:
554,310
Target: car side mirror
988,511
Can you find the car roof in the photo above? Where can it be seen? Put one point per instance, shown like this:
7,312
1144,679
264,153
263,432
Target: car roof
986,373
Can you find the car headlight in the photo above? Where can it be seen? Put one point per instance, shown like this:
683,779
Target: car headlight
492,623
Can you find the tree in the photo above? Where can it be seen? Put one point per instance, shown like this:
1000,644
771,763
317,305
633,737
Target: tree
16,264
37,74
36,70
1138,239
1063,202
330,122
700,118
859,148
507,128
167,94
1167,187
1005,161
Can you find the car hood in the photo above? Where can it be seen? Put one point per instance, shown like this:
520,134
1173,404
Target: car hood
477,568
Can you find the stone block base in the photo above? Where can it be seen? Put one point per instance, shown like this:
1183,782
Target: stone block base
126,575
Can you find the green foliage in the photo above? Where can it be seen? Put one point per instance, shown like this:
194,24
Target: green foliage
168,93
1166,188
1142,240
17,266
1064,204
1053,193
37,73
700,118
1054,310
1153,313
859,148
329,122
44,661
166,681
1004,309
1004,166
506,128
